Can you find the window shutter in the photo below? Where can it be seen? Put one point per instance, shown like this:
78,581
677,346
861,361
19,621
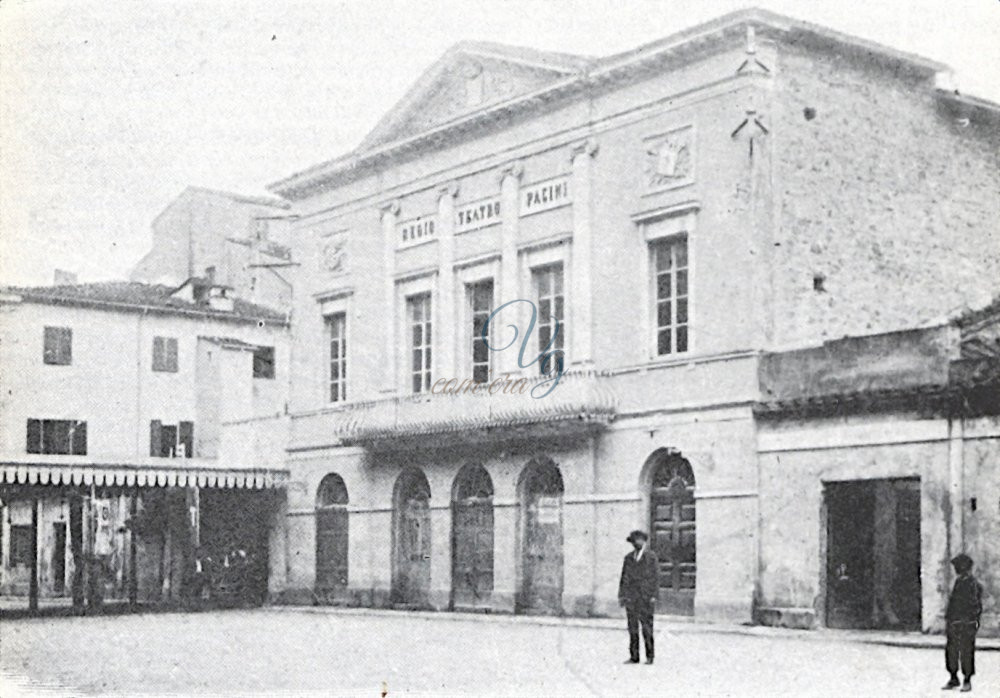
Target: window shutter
186,437
34,441
172,355
66,350
157,353
79,446
154,438
49,354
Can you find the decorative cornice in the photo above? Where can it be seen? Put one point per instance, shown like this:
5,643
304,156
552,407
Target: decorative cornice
652,58
391,207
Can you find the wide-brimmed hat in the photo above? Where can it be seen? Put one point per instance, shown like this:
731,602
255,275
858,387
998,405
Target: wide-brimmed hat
637,534
962,562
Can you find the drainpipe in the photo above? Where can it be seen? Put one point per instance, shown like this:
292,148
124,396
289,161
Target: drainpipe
956,479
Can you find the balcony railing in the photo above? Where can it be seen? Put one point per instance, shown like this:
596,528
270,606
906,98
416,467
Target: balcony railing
581,400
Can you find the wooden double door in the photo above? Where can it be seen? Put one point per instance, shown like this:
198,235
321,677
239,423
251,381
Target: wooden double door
472,553
332,536
672,535
412,578
542,541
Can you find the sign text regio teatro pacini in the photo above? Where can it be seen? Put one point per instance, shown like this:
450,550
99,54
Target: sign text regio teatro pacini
478,214
552,193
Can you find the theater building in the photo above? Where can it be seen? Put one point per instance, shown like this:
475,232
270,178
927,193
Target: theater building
677,215
141,426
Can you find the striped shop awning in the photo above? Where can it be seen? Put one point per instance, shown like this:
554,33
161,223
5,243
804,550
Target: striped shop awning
140,476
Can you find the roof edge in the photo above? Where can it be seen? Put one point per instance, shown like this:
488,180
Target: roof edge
622,61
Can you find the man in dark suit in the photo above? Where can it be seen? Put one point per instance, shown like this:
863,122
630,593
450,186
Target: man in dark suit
637,593
965,610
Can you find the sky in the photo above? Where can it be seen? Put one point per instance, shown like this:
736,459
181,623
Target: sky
109,109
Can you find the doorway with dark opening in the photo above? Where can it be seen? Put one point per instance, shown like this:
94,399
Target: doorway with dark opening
873,554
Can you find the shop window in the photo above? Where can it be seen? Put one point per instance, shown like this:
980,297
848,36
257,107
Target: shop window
21,549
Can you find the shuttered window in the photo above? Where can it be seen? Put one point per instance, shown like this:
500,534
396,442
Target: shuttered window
58,346
57,437
171,440
165,354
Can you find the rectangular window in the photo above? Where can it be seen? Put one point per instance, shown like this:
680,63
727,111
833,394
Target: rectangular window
550,299
21,548
337,328
670,282
419,319
481,305
263,362
171,440
165,354
58,346
57,437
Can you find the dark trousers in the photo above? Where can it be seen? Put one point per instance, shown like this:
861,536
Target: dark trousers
640,615
961,648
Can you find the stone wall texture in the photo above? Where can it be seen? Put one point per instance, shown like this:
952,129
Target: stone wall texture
892,202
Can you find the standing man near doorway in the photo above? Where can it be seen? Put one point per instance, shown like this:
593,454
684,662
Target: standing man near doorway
637,593
965,609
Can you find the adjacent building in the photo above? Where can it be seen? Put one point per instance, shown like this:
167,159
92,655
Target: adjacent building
241,240
681,234
141,429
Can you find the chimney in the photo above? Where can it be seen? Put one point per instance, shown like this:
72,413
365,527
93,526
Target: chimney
219,299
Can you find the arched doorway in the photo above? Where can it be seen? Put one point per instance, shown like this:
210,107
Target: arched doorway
541,496
472,538
332,526
411,578
672,530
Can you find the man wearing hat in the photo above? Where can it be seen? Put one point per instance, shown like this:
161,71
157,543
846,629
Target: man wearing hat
637,593
965,607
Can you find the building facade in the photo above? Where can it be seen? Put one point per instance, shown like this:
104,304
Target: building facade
242,241
141,428
639,234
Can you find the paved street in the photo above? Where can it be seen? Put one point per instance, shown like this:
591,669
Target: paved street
351,654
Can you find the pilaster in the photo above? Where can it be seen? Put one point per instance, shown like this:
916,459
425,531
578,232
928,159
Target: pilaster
447,318
390,215
510,187
581,269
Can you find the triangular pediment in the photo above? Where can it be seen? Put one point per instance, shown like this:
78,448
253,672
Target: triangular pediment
468,78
